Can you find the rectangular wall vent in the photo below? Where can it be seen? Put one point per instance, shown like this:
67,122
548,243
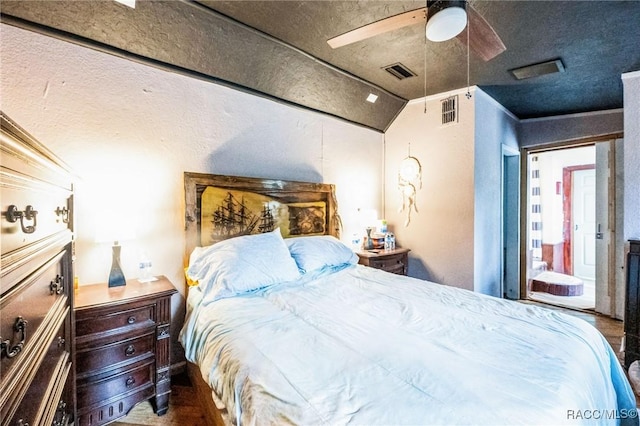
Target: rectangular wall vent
450,109
399,71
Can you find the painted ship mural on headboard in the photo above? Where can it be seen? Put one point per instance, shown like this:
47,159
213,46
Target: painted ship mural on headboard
230,213
232,218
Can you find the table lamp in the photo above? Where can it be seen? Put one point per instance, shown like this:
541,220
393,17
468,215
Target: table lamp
115,230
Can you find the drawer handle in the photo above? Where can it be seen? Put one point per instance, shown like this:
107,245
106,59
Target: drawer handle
12,350
130,350
131,319
21,422
130,381
61,341
57,286
62,417
13,214
64,212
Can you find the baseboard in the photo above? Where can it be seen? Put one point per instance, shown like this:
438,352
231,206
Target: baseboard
178,368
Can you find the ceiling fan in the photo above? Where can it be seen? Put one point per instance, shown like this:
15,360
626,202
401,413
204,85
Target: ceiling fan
446,19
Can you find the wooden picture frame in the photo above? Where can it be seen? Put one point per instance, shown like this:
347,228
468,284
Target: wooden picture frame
309,208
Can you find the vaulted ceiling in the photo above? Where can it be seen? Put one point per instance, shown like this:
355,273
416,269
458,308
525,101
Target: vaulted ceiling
279,49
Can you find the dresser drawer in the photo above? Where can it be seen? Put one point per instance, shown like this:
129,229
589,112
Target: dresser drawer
44,395
113,322
98,392
37,382
44,209
25,307
114,355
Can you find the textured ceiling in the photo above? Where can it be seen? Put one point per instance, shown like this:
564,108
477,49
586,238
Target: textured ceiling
278,49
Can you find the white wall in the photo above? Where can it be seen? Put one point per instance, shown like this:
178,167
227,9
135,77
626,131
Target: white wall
455,235
440,234
631,153
129,132
551,165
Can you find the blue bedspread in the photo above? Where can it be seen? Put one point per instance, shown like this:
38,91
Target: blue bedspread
365,347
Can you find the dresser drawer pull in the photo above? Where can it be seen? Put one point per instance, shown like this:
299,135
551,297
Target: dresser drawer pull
62,417
131,320
130,381
64,212
61,341
13,214
130,350
57,286
21,422
12,350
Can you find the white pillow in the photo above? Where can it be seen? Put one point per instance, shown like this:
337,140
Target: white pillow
317,252
241,265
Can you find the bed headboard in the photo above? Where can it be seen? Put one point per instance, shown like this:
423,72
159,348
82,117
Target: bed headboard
218,207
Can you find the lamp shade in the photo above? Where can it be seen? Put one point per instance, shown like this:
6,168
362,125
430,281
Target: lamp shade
446,23
114,225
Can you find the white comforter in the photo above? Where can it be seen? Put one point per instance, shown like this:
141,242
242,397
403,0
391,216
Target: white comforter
365,347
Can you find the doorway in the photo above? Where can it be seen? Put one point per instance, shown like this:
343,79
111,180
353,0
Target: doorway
561,227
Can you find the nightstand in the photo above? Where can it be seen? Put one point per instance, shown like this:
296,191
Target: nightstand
395,261
122,349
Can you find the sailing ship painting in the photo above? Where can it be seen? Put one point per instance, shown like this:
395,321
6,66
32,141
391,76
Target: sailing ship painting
232,218
227,213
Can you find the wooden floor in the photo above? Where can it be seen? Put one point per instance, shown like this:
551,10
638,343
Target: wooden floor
185,411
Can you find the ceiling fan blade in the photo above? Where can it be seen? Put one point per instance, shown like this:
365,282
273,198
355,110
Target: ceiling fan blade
483,40
379,27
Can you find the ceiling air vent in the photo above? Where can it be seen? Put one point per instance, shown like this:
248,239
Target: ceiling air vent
539,69
399,71
450,110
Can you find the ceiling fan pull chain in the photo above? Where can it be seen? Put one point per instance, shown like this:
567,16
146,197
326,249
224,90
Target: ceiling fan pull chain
426,18
468,94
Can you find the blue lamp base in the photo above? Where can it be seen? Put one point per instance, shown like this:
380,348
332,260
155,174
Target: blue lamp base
116,277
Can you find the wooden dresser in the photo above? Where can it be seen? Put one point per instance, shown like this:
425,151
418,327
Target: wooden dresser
632,305
36,292
395,261
123,349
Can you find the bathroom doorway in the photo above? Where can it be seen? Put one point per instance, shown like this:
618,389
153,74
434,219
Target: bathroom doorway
561,227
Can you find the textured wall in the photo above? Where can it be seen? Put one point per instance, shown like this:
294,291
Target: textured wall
196,40
440,235
631,152
631,82
494,127
562,128
129,132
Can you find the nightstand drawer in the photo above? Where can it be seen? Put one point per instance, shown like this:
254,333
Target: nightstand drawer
98,392
388,263
113,410
122,352
114,322
394,261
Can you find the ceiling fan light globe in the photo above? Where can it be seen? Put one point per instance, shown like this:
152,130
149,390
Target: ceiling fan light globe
446,24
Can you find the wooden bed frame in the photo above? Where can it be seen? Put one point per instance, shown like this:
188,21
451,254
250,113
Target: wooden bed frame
286,194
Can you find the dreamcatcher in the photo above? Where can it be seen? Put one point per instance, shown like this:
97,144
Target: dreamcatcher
409,177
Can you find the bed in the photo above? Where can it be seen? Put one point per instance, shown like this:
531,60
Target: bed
292,331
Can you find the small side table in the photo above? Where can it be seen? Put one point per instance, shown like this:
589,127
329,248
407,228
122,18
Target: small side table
394,261
122,349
